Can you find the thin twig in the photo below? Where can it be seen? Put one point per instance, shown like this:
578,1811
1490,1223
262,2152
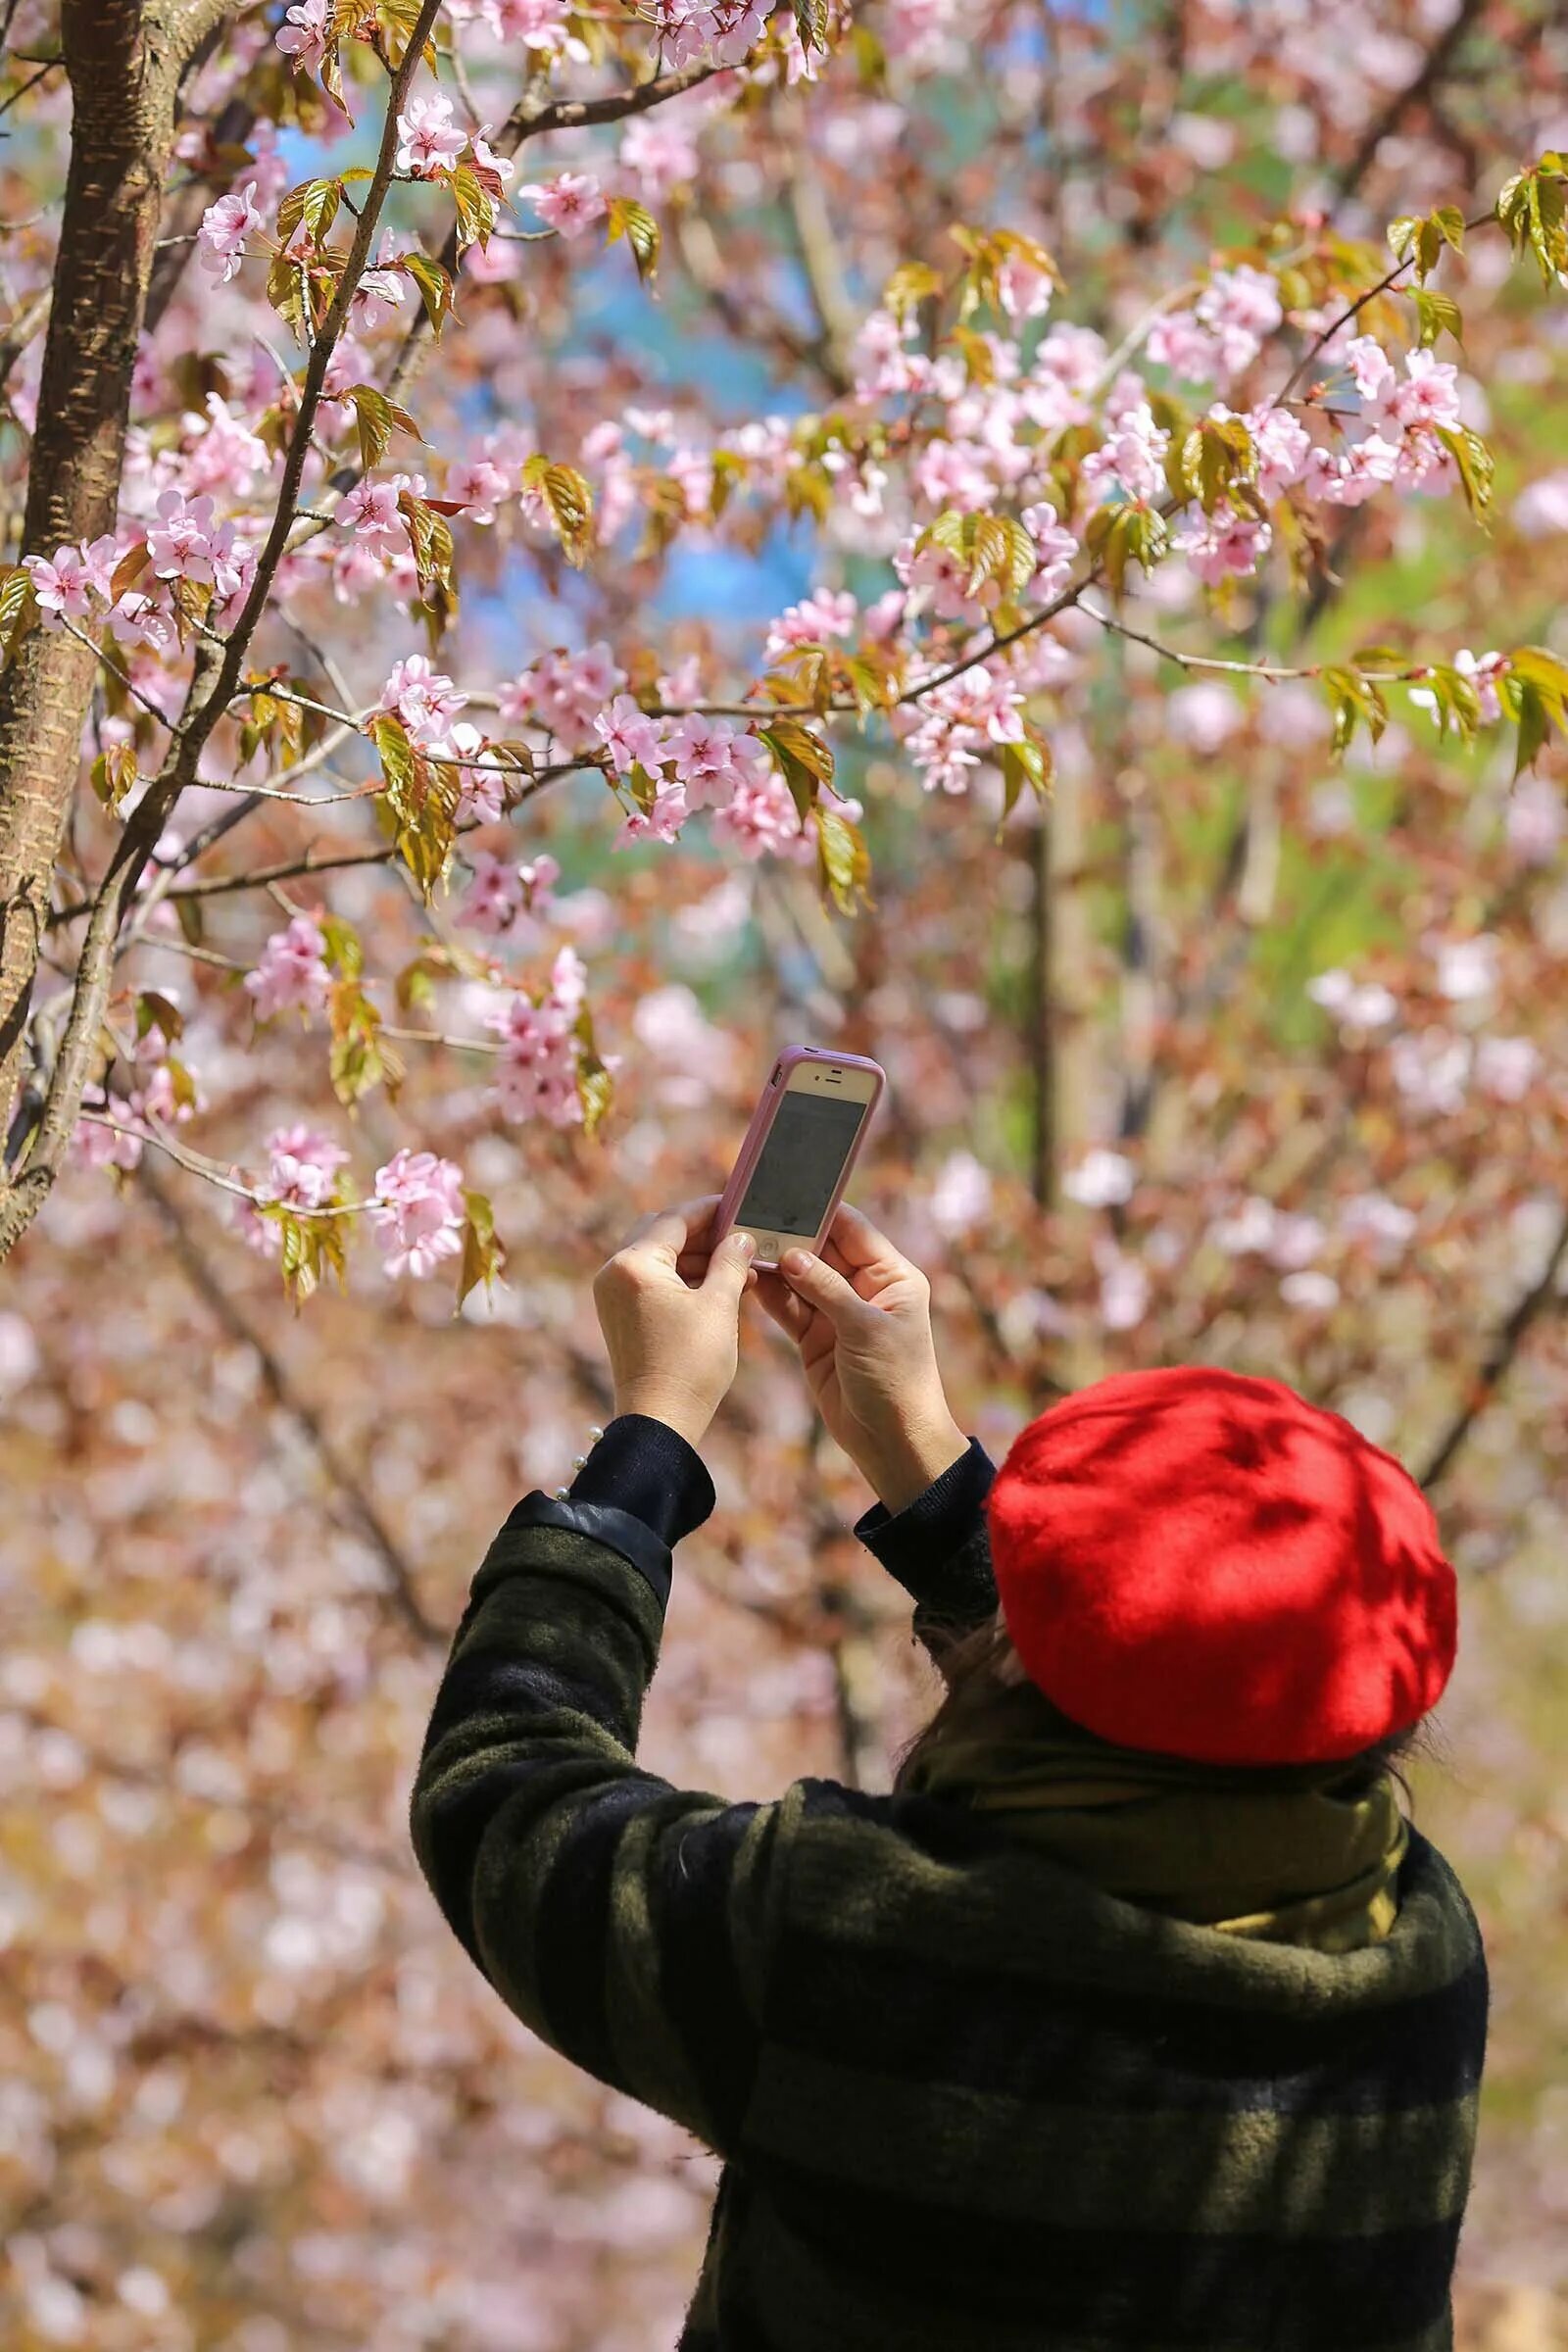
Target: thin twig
227,1311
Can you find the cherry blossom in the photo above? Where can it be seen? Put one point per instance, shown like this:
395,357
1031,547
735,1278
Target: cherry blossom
431,141
630,737
1102,1180
292,970
225,225
1224,545
570,203
418,1212
493,898
302,36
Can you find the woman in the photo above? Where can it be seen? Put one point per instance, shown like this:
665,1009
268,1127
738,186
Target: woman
1138,2015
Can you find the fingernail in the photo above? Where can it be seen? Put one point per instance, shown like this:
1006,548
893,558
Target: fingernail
747,1245
797,1262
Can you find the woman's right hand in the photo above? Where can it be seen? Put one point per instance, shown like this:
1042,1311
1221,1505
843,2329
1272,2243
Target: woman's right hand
860,1315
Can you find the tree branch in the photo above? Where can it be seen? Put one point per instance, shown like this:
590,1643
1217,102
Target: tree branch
1498,1359
231,1316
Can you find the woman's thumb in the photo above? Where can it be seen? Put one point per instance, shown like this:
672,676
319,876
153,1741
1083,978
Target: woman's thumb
813,1280
727,1267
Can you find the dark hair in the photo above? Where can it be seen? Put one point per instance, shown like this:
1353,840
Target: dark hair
980,1698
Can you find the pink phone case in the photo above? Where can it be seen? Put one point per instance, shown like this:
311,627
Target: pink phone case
762,1119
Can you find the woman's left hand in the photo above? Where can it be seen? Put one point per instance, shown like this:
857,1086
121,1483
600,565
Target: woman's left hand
673,1348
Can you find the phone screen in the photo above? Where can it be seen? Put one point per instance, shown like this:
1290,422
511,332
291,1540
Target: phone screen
801,1163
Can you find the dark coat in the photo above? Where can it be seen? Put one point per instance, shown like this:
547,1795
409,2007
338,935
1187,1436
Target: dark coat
966,2102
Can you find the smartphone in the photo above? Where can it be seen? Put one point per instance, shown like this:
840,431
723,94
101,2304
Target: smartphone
803,1142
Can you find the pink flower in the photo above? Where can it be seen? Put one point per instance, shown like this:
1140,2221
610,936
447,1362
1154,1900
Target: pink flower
537,1071
1133,455
225,225
725,30
1431,396
1241,309
1223,546
1541,509
1055,549
1025,291
478,484
62,588
370,511
761,819
630,737
493,899
661,822
184,543
566,693
424,696
537,23
1372,374
1284,448
485,156
292,970
302,36
710,759
659,155
419,1213
431,141
815,618
568,203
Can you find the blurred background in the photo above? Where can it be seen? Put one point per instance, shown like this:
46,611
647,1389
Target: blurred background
1230,1053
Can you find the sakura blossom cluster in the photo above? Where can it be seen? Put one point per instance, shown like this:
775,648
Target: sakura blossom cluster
418,1212
186,543
536,1072
721,31
291,973
303,1170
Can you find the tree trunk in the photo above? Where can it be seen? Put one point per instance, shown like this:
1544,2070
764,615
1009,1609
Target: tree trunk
126,58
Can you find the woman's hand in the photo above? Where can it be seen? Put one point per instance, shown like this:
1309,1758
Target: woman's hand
860,1315
673,1348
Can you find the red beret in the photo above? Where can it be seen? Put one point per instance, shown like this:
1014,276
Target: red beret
1204,1564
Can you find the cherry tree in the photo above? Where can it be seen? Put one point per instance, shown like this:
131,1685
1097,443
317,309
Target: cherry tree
560,548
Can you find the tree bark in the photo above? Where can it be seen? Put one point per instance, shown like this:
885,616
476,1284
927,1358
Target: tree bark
124,59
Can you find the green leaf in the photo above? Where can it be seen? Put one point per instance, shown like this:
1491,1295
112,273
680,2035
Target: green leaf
1474,461
912,285
343,951
483,1255
994,547
1354,701
155,1010
1027,762
569,503
421,799
434,284
477,207
360,1059
804,761
595,1087
430,537
843,862
114,773
810,21
1535,690
1129,533
636,223
310,1244
1436,313
315,203
1217,454
1531,208
378,419
18,603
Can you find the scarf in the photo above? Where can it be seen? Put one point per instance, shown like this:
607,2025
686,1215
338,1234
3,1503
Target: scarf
1307,1853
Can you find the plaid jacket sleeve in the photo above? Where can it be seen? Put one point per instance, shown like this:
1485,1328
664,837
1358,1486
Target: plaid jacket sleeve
626,1920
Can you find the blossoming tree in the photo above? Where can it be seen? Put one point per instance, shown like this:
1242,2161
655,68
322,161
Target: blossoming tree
549,549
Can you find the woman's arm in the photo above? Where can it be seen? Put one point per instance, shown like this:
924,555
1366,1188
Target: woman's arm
937,1546
624,1920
